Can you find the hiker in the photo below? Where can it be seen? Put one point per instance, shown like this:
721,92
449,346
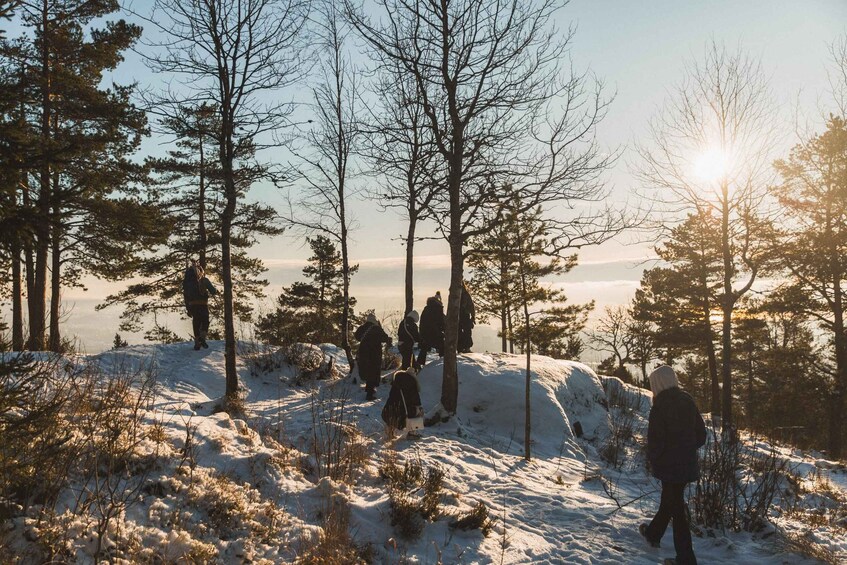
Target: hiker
196,290
467,320
404,400
371,336
407,337
432,328
674,434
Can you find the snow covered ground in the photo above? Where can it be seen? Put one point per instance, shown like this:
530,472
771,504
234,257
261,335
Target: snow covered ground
248,489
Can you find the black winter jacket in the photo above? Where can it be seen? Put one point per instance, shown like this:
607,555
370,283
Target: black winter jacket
407,332
371,337
404,390
675,432
467,310
432,322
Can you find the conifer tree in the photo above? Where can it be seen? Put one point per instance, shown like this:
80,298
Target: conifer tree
187,187
80,176
491,261
313,311
811,246
681,297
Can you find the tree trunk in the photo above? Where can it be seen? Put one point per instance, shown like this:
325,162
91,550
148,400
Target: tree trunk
503,329
711,357
29,265
836,400
509,321
55,342
504,304
42,225
228,159
751,406
17,306
728,303
345,314
410,262
528,350
201,207
450,378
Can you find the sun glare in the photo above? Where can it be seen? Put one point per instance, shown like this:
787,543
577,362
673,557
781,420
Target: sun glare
711,165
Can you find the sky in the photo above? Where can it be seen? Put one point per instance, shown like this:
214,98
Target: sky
639,50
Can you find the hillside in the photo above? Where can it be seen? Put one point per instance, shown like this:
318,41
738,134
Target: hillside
213,488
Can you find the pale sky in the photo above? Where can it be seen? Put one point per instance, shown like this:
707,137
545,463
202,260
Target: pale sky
639,49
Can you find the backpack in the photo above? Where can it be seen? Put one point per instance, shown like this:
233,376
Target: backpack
191,289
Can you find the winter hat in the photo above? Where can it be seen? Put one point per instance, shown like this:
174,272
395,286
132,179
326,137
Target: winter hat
414,316
371,318
438,295
412,371
663,378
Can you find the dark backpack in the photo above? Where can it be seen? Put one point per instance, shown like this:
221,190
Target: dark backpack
190,285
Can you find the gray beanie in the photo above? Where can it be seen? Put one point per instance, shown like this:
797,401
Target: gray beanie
663,378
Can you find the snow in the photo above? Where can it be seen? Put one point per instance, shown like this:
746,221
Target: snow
244,489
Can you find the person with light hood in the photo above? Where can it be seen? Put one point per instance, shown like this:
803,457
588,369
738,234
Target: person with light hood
674,434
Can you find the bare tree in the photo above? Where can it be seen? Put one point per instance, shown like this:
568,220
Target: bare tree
322,206
398,144
611,334
711,149
838,74
231,53
503,110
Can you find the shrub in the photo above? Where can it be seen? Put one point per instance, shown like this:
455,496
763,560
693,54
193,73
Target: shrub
477,518
624,407
737,484
409,511
337,447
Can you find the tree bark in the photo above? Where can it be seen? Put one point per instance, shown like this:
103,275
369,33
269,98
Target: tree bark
55,342
17,306
728,303
712,361
836,400
228,160
201,206
410,262
528,351
450,379
42,225
345,314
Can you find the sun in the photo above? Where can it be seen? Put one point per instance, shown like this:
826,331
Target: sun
711,165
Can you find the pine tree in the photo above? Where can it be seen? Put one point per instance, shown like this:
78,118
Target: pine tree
89,218
492,261
681,298
187,187
811,246
313,311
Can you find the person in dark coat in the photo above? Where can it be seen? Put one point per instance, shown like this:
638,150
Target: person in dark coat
674,434
467,320
196,290
404,400
371,336
407,336
432,328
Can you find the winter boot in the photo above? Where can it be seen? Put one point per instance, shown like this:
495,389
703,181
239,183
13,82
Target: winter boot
642,529
196,343
203,343
371,395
